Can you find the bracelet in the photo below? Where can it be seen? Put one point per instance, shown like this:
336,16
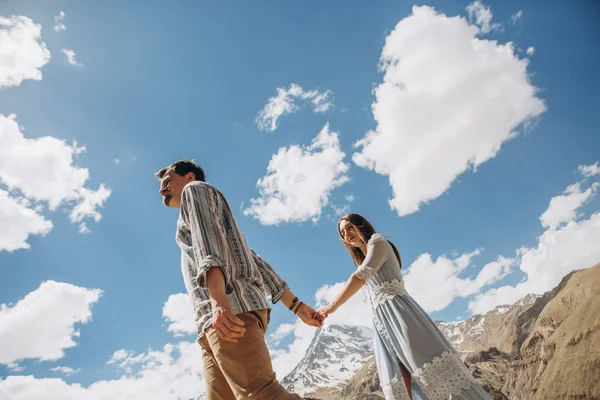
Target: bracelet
293,303
297,309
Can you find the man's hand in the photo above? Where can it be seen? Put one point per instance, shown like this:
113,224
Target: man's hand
228,326
309,316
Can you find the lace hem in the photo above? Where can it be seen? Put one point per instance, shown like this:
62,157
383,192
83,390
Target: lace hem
395,390
444,377
379,294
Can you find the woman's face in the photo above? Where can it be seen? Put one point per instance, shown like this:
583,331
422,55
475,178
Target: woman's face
350,234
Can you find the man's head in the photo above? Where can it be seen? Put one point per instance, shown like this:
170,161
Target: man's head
174,178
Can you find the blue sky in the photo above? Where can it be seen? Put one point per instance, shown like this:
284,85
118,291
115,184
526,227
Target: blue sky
152,83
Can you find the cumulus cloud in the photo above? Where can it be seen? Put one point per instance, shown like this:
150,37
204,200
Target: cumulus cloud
37,172
589,170
481,15
71,57
59,22
530,51
563,208
18,221
22,51
567,244
175,372
285,102
444,274
300,180
448,102
179,312
54,309
68,371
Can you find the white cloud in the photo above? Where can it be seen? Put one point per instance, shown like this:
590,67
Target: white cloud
589,170
43,170
299,181
22,51
482,16
90,201
282,331
447,103
350,197
563,208
118,355
68,371
59,22
18,222
179,312
175,372
444,274
340,210
42,324
560,250
70,55
530,50
285,103
516,17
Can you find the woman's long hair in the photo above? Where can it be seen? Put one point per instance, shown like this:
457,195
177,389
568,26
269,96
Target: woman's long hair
365,230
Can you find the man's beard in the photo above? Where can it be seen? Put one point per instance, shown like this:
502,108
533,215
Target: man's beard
167,199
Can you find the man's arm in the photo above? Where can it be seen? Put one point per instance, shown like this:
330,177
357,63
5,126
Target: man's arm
274,284
228,326
278,289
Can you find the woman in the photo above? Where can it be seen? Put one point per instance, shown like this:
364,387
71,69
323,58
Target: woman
414,359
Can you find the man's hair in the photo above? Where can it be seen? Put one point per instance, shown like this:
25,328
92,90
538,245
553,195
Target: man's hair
183,167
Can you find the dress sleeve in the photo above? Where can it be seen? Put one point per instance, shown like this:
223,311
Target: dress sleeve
377,255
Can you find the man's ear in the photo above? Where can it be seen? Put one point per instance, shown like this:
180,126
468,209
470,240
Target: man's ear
190,177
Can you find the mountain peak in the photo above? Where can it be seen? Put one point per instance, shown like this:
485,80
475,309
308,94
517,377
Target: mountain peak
334,355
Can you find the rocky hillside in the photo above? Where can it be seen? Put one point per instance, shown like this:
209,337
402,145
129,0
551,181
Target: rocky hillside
482,332
542,347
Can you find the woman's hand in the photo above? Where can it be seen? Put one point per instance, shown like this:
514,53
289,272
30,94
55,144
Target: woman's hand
328,309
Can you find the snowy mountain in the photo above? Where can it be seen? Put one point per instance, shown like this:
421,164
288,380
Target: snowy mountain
335,354
482,331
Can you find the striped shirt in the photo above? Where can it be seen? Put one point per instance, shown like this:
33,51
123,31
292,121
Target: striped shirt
209,236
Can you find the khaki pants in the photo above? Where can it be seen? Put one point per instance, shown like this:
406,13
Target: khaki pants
241,370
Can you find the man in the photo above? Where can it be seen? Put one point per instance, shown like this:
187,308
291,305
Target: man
227,282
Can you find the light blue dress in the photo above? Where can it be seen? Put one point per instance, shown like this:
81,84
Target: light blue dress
404,333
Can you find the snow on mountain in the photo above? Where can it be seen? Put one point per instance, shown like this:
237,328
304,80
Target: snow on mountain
335,354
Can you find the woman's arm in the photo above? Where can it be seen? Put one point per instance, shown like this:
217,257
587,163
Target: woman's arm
352,286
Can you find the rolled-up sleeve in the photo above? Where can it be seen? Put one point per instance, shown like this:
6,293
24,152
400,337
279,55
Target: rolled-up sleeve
274,285
377,255
200,209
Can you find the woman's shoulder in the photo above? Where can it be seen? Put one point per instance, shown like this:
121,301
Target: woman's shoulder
376,238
